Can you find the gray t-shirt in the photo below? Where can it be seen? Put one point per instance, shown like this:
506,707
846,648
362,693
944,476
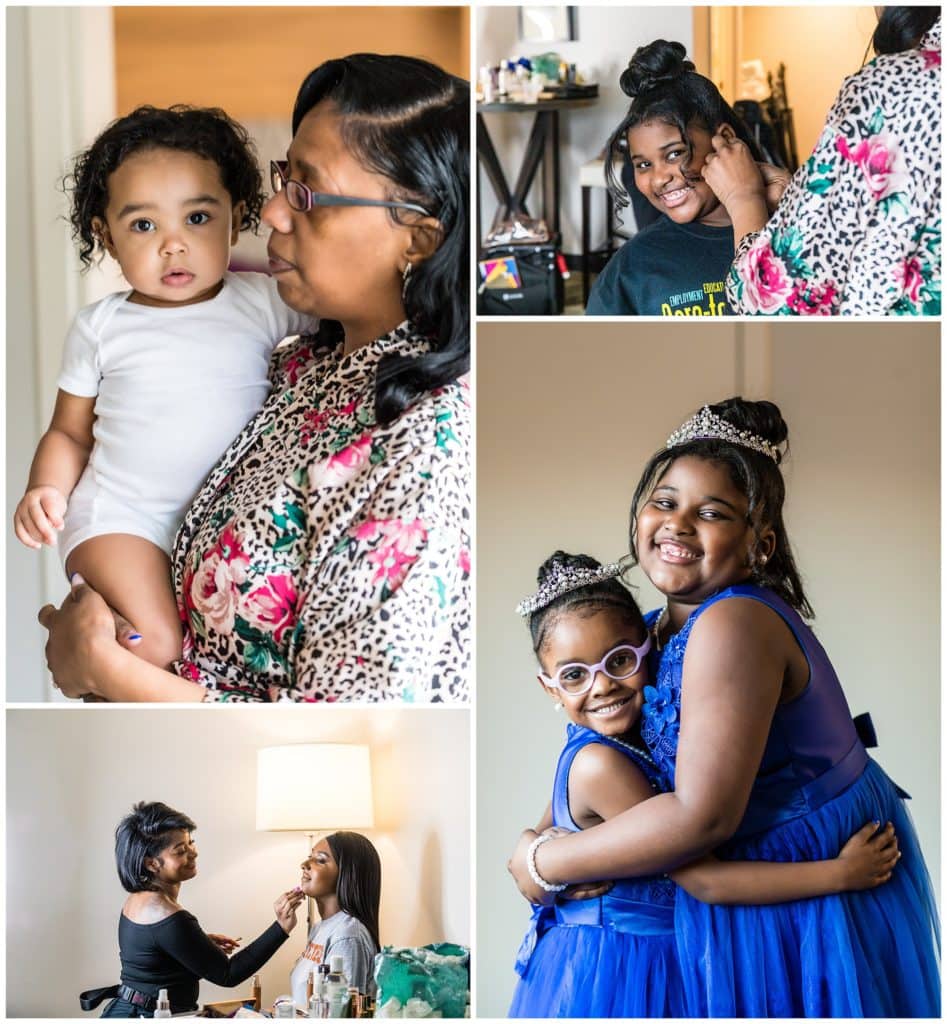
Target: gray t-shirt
339,935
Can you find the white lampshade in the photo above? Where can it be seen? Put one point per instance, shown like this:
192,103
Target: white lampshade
310,787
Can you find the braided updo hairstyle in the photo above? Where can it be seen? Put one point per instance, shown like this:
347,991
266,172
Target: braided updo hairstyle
587,600
142,834
756,475
664,86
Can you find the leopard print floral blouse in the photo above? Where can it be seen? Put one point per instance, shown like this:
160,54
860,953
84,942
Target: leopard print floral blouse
858,229
327,558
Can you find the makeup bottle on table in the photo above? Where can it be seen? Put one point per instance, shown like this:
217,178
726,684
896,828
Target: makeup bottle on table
256,993
163,1009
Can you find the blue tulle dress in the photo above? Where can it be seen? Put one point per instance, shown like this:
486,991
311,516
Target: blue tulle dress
862,954
613,956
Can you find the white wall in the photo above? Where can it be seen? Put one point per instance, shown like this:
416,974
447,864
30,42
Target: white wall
59,95
607,37
568,415
73,772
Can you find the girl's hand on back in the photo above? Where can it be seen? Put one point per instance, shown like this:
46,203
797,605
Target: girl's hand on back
516,866
39,516
869,857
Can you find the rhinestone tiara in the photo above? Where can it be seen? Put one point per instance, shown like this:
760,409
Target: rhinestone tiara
706,424
561,580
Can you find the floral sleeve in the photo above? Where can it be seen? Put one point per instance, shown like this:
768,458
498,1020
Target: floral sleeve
858,229
386,615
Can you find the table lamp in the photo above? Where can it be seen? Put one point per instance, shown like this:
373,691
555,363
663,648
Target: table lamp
311,788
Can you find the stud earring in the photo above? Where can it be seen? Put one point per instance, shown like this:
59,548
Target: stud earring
558,705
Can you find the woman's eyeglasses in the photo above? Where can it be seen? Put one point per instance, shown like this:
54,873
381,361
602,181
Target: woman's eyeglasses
621,662
300,197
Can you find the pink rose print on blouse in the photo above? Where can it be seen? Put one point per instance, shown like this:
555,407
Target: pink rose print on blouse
463,560
271,608
397,545
880,161
812,299
298,361
213,588
767,284
910,277
931,58
343,466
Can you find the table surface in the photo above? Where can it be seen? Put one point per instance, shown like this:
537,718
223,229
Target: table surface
514,106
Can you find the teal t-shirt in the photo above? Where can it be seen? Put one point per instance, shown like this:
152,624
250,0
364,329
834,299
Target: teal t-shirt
667,269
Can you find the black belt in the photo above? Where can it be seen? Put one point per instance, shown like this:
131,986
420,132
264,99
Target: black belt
91,999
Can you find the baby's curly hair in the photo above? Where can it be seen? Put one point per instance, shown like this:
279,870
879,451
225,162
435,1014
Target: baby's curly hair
204,131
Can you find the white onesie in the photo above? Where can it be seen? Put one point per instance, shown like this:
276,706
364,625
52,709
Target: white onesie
173,386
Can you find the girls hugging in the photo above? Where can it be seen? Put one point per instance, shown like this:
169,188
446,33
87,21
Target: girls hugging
276,521
711,739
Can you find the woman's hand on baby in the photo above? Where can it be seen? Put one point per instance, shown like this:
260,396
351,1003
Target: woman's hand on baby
39,516
79,630
732,173
285,907
869,857
224,943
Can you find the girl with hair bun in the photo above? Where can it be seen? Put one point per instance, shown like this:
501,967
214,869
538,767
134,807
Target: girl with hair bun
748,725
678,264
858,230
614,954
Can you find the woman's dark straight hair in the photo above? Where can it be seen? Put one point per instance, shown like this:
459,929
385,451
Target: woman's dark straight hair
901,28
756,475
142,834
409,121
359,886
664,86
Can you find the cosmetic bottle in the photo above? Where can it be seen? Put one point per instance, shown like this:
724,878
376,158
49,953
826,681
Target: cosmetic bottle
310,984
256,993
163,1009
285,1010
337,987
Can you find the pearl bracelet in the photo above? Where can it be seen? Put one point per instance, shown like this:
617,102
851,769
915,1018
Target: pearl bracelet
534,871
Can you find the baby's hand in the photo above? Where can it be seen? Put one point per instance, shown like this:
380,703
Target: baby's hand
869,857
39,516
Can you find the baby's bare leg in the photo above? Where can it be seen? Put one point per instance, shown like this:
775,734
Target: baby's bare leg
134,577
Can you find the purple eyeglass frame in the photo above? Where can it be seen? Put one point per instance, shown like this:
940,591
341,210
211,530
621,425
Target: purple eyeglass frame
279,171
594,670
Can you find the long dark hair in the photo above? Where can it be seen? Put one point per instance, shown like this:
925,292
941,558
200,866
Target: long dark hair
142,834
901,28
756,475
206,132
664,86
409,121
359,887
587,600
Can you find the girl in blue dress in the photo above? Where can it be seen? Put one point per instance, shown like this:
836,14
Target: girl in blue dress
615,955
748,719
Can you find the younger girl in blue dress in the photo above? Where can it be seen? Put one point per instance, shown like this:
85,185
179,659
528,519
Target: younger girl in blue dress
678,265
748,722
615,956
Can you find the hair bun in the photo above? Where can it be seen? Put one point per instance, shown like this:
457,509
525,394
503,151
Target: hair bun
560,560
761,418
660,61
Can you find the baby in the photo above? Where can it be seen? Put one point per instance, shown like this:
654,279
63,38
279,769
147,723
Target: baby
158,380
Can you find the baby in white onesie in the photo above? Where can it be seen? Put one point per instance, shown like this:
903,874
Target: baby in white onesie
158,380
